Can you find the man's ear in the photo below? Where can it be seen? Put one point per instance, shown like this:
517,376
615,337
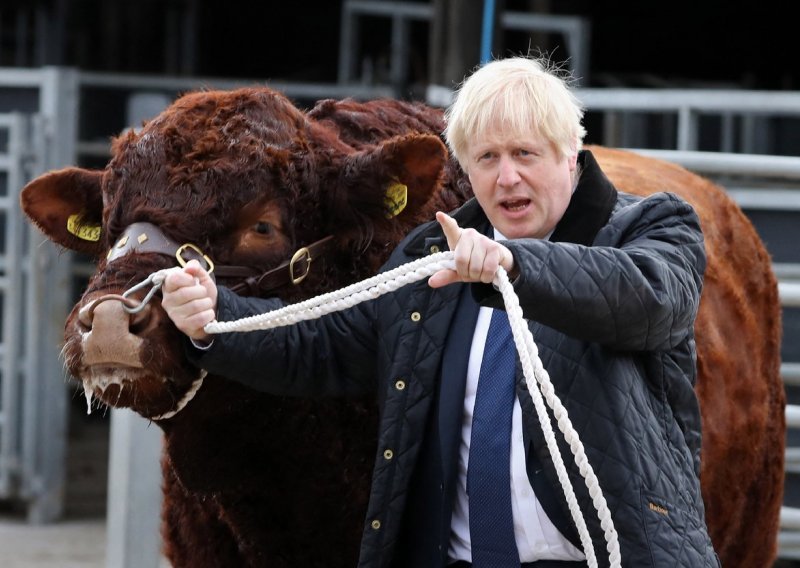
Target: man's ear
392,183
67,206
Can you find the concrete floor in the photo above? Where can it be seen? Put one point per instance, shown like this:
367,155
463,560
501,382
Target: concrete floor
79,543
79,540
70,543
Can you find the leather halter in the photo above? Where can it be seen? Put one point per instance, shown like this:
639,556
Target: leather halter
148,238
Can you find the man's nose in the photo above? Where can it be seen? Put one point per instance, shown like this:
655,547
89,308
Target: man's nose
507,174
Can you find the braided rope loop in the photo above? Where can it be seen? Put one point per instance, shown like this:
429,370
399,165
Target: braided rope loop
536,377
538,382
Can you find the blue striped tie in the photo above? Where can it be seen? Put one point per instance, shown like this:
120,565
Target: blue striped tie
491,522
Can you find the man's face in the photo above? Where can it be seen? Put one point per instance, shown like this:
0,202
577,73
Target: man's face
522,184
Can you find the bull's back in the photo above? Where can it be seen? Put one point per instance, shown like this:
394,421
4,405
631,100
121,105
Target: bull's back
738,350
362,124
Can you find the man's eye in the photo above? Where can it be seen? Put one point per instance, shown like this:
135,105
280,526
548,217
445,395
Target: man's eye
262,228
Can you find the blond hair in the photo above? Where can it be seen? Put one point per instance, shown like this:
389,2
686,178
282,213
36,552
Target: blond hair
521,96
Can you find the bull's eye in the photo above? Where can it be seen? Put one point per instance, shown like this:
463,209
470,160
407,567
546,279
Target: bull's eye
263,228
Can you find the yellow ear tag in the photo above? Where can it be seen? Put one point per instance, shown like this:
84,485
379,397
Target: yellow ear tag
396,199
85,232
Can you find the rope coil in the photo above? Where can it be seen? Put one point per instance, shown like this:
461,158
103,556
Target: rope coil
536,377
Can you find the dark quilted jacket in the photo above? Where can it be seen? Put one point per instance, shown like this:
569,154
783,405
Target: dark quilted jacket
611,301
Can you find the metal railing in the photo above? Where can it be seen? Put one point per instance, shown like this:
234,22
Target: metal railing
13,127
574,29
743,114
34,287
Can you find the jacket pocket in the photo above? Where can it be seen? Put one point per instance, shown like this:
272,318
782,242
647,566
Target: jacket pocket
664,525
674,536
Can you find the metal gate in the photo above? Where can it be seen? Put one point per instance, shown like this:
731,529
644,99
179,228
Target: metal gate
34,296
32,399
12,138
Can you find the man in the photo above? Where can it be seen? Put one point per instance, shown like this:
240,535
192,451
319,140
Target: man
610,286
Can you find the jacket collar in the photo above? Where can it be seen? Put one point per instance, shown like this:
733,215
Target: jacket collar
588,211
590,207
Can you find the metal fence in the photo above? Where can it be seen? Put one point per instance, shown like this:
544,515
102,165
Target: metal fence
575,31
12,131
33,284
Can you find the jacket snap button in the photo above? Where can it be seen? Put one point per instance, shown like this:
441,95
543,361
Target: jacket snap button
434,249
416,316
400,385
388,454
376,524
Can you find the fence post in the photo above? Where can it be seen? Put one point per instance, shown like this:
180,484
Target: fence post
134,492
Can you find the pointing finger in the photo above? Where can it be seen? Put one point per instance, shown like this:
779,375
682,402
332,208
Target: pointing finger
452,231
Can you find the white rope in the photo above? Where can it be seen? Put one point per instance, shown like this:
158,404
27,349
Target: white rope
185,399
341,299
532,369
534,373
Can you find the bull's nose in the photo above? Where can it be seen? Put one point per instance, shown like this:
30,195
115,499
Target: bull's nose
110,339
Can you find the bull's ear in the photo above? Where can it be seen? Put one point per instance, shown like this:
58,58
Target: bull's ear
395,181
67,206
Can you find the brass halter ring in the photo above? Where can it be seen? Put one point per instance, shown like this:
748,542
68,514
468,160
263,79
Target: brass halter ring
190,246
301,254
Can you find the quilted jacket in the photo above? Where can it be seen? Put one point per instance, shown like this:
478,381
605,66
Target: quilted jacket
611,301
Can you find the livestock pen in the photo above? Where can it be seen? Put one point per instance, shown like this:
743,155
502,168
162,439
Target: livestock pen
54,117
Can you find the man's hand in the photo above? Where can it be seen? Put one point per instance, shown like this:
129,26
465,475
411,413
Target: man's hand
477,256
189,297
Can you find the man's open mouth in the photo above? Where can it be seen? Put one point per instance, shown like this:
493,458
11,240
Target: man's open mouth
515,204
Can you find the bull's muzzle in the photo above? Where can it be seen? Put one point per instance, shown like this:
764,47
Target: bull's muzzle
111,338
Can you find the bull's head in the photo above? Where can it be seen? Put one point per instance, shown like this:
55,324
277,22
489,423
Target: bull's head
242,179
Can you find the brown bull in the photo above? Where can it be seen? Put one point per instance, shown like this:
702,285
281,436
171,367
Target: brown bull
248,179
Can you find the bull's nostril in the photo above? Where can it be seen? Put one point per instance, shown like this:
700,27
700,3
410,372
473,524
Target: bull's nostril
140,320
85,315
